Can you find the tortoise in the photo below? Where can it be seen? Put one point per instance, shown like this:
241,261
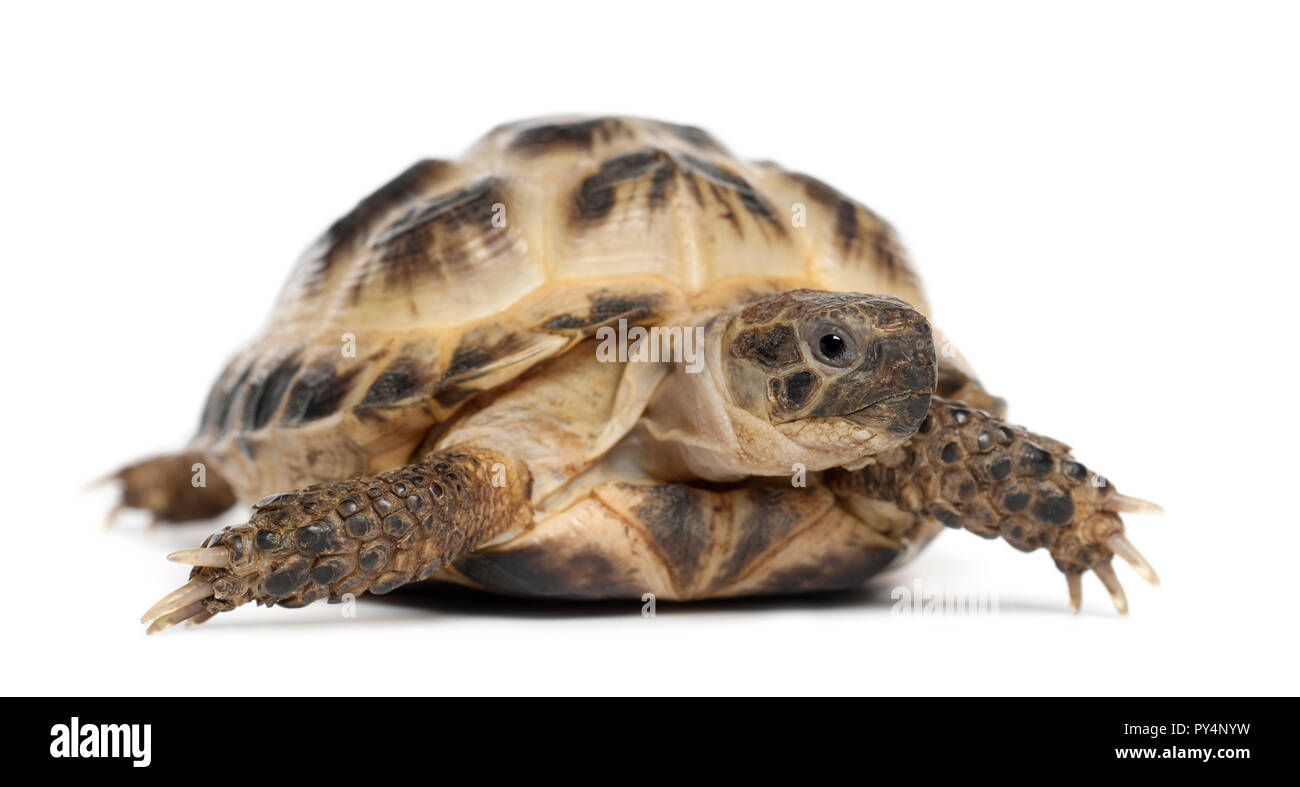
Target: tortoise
599,357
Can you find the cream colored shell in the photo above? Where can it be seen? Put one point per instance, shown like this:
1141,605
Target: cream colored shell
460,275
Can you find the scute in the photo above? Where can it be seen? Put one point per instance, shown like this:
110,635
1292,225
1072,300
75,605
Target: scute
458,276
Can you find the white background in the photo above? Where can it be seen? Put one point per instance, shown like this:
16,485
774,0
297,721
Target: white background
1102,199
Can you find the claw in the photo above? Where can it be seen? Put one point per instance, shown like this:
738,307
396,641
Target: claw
171,619
1122,547
1107,576
1118,503
215,557
202,617
1075,581
182,597
110,521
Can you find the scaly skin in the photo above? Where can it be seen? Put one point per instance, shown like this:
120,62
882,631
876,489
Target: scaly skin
964,467
969,469
375,533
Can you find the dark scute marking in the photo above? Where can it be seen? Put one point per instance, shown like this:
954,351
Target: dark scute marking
218,400
771,519
607,309
348,231
318,393
749,196
886,250
797,388
406,246
565,322
848,228
475,351
539,571
264,396
999,468
595,196
839,572
691,183
846,223
818,190
679,520
554,136
846,211
772,347
401,380
221,401
451,395
662,179
467,359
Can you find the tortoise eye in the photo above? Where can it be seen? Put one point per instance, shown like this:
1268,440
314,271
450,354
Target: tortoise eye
832,349
831,345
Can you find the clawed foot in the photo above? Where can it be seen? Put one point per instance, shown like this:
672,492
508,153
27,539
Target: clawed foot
300,547
366,534
1095,539
970,469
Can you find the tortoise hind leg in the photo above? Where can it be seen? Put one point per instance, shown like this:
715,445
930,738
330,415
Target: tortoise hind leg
173,488
369,533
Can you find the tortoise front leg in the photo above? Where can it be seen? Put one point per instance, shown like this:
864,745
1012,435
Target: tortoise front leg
967,468
374,533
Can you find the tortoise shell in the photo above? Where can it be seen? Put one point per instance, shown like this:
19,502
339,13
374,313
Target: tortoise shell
458,276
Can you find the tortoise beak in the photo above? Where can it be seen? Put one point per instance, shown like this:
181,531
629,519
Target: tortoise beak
899,415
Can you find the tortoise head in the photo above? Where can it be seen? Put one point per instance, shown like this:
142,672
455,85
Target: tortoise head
822,365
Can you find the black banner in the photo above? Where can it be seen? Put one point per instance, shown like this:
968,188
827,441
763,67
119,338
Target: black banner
276,737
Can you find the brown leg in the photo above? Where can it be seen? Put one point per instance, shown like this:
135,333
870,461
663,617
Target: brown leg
374,533
967,468
169,488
